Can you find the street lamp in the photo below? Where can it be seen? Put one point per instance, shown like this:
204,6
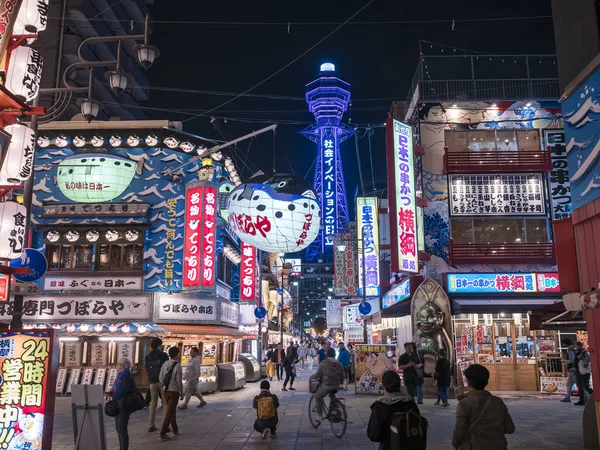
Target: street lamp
146,54
89,108
118,80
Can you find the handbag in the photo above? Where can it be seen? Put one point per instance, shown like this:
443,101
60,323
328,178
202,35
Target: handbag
111,408
137,401
466,443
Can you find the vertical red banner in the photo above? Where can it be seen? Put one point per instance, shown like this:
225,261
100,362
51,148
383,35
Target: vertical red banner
192,238
248,273
209,238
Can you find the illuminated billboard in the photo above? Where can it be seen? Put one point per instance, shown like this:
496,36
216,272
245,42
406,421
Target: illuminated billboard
368,229
500,283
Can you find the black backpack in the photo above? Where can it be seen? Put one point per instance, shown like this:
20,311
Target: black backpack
153,367
408,431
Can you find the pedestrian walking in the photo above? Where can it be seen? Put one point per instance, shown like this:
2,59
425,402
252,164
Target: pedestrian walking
571,368
310,358
482,419
352,363
323,352
344,359
121,390
583,373
408,363
153,362
172,382
289,364
266,405
192,378
420,373
302,352
442,377
270,365
278,359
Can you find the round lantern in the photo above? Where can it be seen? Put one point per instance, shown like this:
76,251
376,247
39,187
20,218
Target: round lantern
94,177
18,164
24,73
13,217
278,214
32,17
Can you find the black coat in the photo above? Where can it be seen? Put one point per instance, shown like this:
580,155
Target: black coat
281,358
382,411
442,369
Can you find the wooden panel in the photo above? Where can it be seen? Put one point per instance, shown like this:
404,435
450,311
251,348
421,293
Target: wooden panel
566,255
506,377
590,257
492,385
527,377
592,317
584,279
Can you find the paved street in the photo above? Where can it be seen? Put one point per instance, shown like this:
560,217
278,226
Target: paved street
226,423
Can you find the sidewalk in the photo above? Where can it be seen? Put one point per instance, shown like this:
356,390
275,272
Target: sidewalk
226,423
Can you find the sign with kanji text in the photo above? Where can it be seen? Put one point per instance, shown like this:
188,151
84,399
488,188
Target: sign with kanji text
371,362
112,376
334,313
25,397
404,224
344,251
96,209
230,313
209,236
184,309
99,354
368,228
89,283
125,350
329,200
498,283
560,187
72,354
4,282
248,273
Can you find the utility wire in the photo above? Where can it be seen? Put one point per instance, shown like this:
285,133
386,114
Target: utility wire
287,65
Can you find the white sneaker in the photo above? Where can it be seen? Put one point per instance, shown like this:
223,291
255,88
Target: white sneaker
265,433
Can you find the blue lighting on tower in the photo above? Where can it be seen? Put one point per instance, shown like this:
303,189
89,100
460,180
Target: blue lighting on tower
328,99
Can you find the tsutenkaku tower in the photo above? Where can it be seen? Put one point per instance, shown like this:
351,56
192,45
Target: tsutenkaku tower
327,99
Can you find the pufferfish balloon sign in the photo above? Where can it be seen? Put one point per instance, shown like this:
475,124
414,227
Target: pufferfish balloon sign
277,214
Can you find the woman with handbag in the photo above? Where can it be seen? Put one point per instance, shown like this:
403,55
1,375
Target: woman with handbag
482,419
442,377
121,391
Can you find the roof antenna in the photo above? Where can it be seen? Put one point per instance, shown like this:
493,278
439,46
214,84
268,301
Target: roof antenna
289,28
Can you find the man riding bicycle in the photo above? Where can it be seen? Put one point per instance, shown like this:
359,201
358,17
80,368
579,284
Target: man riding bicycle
331,376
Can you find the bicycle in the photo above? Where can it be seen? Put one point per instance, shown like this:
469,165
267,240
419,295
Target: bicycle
335,412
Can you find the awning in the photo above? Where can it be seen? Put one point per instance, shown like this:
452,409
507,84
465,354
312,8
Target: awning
400,309
556,316
498,305
203,330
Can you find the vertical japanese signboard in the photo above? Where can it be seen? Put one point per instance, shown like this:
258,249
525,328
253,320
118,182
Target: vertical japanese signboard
25,392
401,182
560,187
329,186
368,229
345,264
200,237
334,314
248,275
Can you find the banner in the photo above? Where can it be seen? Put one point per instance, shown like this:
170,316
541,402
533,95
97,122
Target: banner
560,187
371,362
334,314
368,228
345,264
248,273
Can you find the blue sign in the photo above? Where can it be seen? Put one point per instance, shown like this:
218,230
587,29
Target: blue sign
34,260
260,312
499,283
364,308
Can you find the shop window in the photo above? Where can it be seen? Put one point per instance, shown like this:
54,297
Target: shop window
491,140
224,269
456,141
481,141
506,140
462,231
528,140
499,231
120,257
70,257
536,230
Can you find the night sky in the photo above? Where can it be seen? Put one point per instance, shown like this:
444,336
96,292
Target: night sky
379,60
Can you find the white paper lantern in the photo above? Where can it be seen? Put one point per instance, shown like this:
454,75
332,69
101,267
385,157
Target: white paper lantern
279,214
18,163
24,73
13,217
32,18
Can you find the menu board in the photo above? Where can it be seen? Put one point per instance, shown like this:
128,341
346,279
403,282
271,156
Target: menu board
545,344
99,354
505,195
504,349
73,378
553,385
372,361
72,352
88,375
187,350
209,352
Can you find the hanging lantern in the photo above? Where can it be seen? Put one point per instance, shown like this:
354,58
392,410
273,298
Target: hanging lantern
98,328
13,217
84,327
142,329
18,163
112,328
125,328
70,328
24,73
32,18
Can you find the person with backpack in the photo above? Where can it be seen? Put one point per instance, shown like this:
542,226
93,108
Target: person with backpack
482,419
442,377
121,391
266,405
583,373
571,368
172,384
192,377
394,417
154,361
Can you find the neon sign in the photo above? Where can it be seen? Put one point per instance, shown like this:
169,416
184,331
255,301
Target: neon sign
498,283
329,186
209,236
368,227
248,275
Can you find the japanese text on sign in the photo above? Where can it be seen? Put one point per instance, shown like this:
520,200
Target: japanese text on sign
560,187
329,200
184,309
509,194
78,283
209,236
171,224
248,273
368,264
503,282
345,264
193,217
406,224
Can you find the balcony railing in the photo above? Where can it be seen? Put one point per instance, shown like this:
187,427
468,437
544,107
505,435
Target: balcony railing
523,253
497,161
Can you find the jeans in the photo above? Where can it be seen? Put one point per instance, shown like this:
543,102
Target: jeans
279,370
443,394
121,422
155,392
419,393
583,386
171,400
192,391
571,380
411,388
289,375
260,429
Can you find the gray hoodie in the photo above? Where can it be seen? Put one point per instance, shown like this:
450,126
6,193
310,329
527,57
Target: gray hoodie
176,384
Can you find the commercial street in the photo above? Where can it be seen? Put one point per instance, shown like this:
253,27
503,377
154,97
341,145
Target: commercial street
226,423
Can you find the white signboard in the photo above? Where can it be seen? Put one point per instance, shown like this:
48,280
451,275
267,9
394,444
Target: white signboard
112,376
100,376
99,354
171,307
79,283
502,195
560,187
230,314
61,379
351,317
73,378
88,375
108,308
334,314
72,352
125,350
223,292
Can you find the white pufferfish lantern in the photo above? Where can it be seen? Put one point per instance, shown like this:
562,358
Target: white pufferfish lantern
276,214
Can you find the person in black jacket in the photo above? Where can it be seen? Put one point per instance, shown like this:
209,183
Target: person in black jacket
442,376
383,409
266,425
278,359
154,361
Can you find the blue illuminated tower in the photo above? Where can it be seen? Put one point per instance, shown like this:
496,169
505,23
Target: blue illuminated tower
327,99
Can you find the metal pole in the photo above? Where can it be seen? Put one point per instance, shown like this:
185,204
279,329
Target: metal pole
259,303
281,310
364,282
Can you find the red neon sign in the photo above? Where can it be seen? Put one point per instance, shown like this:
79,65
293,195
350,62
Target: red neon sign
192,238
248,275
209,236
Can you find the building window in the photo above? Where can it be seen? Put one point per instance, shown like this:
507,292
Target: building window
499,231
224,269
70,257
120,257
125,257
492,140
